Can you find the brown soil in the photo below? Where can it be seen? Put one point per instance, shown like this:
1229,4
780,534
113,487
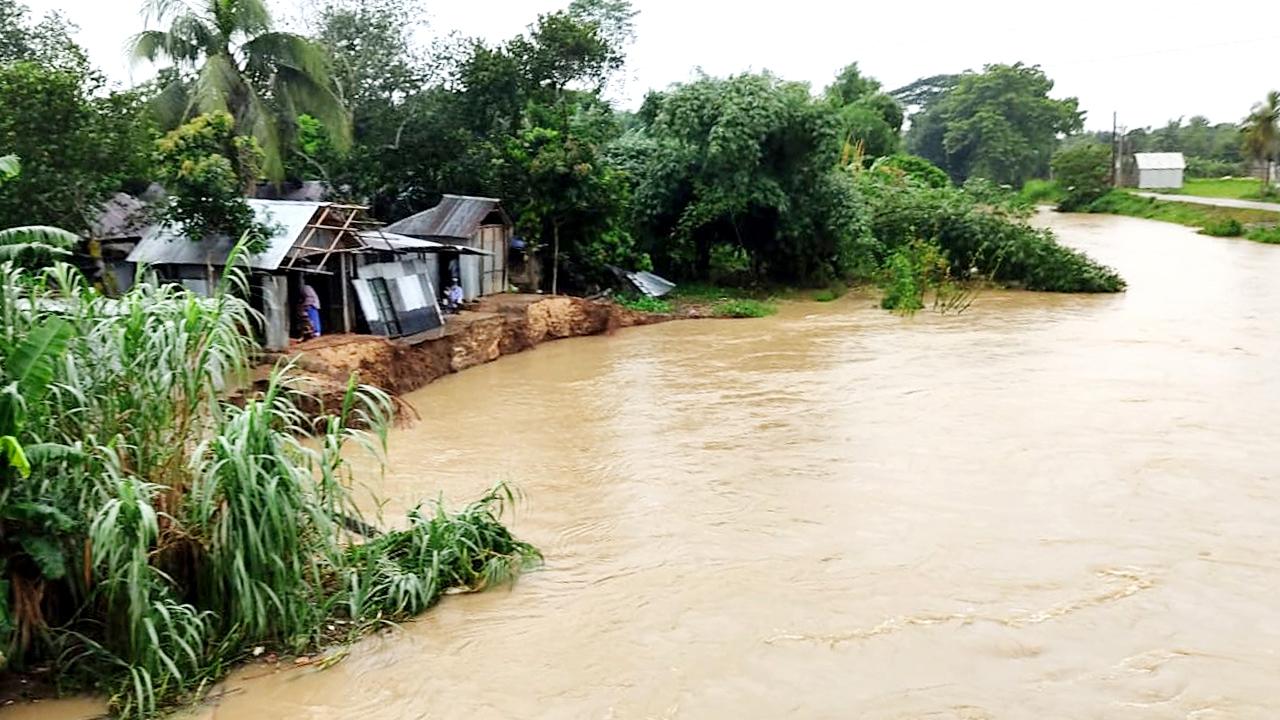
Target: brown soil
496,326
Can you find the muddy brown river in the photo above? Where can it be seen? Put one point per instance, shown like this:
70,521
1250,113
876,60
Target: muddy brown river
1049,506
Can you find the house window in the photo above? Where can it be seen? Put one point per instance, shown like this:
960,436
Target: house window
382,300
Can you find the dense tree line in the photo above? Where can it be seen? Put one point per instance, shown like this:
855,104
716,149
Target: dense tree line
749,178
152,532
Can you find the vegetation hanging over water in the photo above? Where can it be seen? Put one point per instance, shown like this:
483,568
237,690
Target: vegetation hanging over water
991,240
151,531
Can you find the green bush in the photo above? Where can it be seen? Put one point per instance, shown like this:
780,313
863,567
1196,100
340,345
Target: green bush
915,167
1038,192
910,270
1002,197
1205,168
743,308
1269,235
1084,174
976,238
646,304
1228,227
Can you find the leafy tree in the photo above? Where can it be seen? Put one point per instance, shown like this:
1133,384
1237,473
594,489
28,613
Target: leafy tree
915,167
922,93
30,245
228,59
746,164
573,200
374,59
851,86
1084,174
78,144
47,42
870,121
571,49
614,21
999,124
207,170
1262,135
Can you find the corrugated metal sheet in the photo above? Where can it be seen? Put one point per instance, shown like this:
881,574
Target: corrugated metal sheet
457,217
122,217
1160,161
164,245
650,284
383,240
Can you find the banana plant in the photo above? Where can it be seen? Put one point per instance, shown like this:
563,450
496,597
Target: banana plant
31,245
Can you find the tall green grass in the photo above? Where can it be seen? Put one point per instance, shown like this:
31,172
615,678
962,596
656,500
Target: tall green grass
151,530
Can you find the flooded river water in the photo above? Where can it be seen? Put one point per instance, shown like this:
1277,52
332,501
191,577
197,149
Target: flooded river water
1050,506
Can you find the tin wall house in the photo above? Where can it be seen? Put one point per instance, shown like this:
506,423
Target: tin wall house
311,242
395,284
480,232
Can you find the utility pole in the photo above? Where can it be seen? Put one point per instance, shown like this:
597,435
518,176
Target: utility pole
1115,151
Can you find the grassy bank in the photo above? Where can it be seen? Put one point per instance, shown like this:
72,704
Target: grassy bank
152,533
1213,219
1234,188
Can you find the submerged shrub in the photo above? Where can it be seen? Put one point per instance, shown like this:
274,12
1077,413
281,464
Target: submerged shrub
979,239
1226,227
743,308
1269,235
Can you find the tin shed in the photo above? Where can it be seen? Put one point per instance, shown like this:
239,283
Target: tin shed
478,223
1159,170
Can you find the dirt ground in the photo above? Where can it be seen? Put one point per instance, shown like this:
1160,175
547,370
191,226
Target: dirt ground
495,326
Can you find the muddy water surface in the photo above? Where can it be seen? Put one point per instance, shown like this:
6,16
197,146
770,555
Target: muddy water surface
1047,507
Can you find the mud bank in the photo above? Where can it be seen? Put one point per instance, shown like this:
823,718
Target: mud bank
499,325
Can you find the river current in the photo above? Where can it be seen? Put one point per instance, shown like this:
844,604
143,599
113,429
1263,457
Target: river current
1049,506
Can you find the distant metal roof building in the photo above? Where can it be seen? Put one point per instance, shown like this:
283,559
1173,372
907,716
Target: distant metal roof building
1160,161
457,217
166,245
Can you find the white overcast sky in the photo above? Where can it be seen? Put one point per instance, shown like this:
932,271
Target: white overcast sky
1148,61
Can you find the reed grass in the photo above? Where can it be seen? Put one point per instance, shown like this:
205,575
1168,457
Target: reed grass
151,530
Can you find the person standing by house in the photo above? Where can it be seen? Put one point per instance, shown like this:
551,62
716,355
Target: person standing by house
310,305
453,297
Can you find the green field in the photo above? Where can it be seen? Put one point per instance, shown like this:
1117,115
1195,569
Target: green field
1119,202
1237,188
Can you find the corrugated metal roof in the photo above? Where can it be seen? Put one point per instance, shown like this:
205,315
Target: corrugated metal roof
165,245
384,240
650,284
123,216
1160,161
457,217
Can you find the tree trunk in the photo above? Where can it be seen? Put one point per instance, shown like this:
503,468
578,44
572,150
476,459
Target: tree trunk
555,258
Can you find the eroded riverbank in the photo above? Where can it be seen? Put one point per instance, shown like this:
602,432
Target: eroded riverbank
1050,506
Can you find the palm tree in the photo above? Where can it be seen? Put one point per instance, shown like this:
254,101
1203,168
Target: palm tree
226,58
1262,135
